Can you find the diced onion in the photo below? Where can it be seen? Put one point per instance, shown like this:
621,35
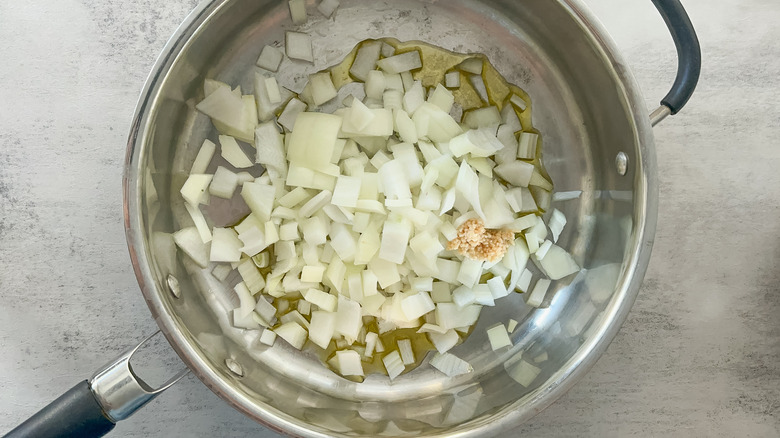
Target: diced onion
298,46
270,58
498,337
328,7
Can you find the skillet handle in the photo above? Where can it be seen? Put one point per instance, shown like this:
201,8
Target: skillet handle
688,58
91,408
74,414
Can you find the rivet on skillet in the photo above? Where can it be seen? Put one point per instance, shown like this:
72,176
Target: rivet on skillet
621,163
234,367
173,286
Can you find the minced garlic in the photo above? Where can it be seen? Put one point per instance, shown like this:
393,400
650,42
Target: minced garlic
476,242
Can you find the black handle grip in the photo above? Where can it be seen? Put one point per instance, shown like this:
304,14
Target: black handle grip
74,414
688,53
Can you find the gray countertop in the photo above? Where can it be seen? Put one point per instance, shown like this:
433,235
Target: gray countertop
698,356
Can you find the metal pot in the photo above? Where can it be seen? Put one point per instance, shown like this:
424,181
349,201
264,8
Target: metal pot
598,141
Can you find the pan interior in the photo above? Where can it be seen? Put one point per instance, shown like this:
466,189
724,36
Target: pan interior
580,106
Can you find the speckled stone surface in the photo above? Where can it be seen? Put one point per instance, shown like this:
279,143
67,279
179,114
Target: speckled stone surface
698,356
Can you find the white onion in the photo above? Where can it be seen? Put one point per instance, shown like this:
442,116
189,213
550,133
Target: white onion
194,189
349,363
298,11
526,148
328,7
270,58
365,59
232,152
405,350
225,246
293,333
224,183
498,337
539,291
401,63
298,46
202,160
394,365
253,280
188,240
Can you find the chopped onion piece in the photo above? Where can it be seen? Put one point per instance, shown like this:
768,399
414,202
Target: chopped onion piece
328,7
537,294
517,173
322,88
450,365
524,282
189,240
246,301
254,241
497,288
298,11
417,305
293,333
202,160
321,328
498,337
270,58
268,337
272,89
444,341
375,85
365,59
348,318
487,117
224,107
225,246
371,341
405,349
452,79
298,46
472,65
542,251
526,148
395,238
556,223
289,231
511,325
252,277
232,152
349,363
400,63
393,364
470,271
449,315
194,189
224,183
265,310
315,204
260,199
346,192
518,102
200,222
414,97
